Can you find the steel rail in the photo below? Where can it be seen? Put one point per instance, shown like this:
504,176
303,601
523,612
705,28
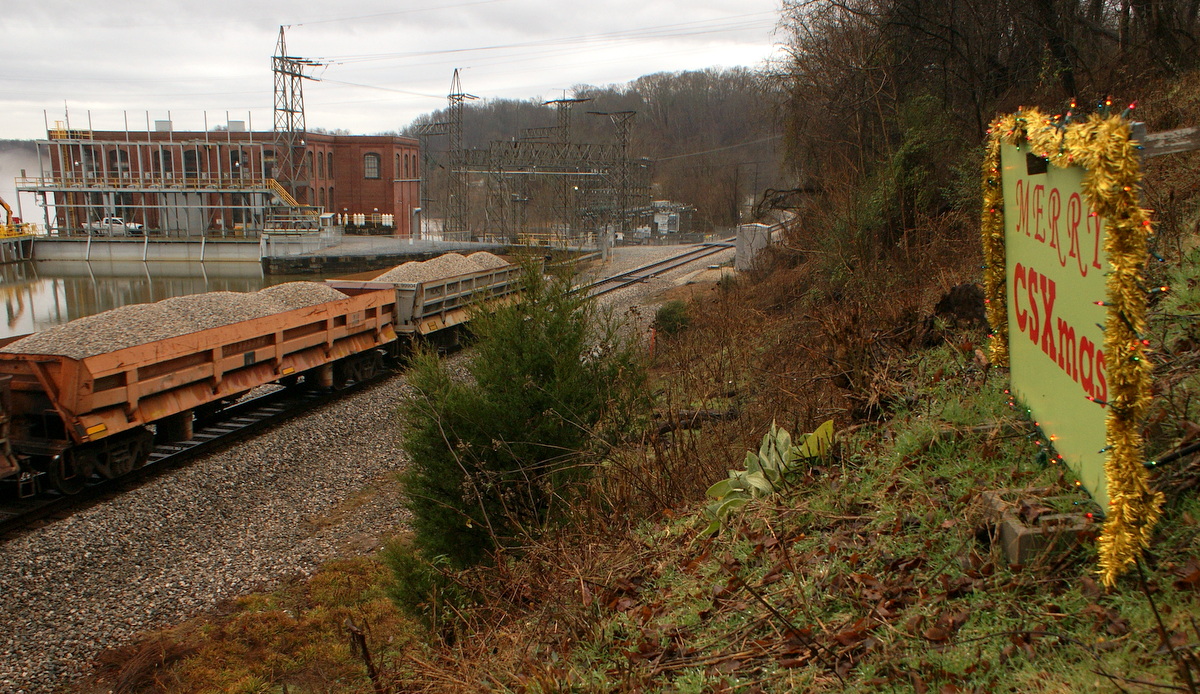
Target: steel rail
651,270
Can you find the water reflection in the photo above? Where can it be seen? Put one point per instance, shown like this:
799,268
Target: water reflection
41,294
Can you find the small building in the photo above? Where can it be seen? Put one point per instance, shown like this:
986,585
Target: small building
671,217
222,182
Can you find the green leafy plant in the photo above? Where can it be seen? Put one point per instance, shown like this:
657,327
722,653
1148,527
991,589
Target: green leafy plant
765,471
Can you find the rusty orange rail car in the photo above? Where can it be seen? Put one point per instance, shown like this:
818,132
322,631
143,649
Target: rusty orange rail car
69,418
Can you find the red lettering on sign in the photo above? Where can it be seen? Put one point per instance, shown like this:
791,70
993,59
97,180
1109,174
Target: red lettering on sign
1035,324
1074,217
1076,355
1019,281
1066,350
1022,207
1039,192
1055,213
1087,366
1048,292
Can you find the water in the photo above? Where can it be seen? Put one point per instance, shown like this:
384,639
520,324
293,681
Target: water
41,294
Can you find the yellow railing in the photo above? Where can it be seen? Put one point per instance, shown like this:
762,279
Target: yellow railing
12,231
61,132
282,192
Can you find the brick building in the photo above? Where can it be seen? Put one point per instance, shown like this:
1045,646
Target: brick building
224,183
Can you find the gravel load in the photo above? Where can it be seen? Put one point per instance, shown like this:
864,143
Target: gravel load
488,261
139,324
401,273
302,294
441,267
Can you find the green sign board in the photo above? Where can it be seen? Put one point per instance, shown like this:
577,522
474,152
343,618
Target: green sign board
1055,269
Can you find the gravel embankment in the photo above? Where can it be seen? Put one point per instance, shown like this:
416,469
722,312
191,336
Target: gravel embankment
271,507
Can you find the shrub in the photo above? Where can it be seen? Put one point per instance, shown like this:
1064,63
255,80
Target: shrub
672,318
494,456
418,586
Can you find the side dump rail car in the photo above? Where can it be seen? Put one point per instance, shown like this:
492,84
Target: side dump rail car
59,402
426,307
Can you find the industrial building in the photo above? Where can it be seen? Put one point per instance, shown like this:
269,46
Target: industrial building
228,182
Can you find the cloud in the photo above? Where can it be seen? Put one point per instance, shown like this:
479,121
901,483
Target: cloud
189,58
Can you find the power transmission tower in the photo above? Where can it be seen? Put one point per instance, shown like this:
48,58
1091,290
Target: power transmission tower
457,222
566,203
623,171
289,115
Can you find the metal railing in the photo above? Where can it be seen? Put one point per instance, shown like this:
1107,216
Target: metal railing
13,231
154,181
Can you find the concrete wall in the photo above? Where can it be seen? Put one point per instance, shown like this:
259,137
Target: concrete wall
145,250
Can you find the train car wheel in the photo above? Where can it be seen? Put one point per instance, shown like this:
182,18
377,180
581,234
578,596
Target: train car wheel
374,365
69,472
124,455
142,446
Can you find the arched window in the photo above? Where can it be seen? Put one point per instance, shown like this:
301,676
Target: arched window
191,163
329,164
331,203
322,198
308,167
407,168
415,172
397,169
370,166
320,165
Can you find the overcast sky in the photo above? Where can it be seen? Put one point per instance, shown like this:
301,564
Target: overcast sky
386,62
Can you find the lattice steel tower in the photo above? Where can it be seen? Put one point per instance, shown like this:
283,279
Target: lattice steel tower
289,115
457,190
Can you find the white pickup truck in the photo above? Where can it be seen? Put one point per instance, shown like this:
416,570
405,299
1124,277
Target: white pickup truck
113,226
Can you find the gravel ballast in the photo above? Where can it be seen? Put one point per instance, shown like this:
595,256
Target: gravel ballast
225,525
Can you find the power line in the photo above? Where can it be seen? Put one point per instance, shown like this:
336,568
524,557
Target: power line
694,28
397,12
719,149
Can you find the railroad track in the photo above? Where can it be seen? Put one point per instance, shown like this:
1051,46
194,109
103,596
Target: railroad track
651,270
234,422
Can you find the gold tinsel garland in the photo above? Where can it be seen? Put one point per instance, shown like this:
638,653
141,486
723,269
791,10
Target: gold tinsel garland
1102,146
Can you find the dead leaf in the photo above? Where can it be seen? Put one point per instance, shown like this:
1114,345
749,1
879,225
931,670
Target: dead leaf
854,634
1189,576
